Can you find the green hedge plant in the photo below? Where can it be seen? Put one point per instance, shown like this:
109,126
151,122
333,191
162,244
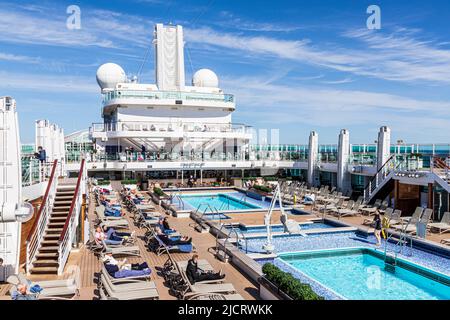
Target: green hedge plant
129,181
159,192
262,188
288,284
103,182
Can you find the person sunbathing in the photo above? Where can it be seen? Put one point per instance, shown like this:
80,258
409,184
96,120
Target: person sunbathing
195,274
112,234
22,293
113,266
100,236
165,227
172,241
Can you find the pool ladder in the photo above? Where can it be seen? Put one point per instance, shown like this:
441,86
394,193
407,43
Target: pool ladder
200,222
390,261
222,254
177,195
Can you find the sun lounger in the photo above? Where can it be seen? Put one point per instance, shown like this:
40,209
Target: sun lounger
445,241
126,284
162,247
66,289
121,250
201,287
110,291
213,296
415,216
443,226
353,211
105,273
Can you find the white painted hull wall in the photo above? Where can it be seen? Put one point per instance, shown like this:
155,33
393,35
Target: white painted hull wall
10,183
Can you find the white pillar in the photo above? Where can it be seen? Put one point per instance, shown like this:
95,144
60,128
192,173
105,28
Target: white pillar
384,146
343,176
313,152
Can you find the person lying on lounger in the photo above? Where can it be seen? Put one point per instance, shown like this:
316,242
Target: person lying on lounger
113,266
172,241
165,227
111,211
195,274
100,236
21,293
112,234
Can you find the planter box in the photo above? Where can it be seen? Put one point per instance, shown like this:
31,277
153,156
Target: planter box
269,291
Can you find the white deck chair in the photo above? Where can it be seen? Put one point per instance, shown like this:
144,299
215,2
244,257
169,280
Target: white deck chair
442,226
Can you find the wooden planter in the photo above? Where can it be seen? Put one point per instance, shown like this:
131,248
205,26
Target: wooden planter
269,291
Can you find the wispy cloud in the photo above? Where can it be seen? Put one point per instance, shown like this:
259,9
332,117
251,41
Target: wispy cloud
47,83
18,58
387,57
99,28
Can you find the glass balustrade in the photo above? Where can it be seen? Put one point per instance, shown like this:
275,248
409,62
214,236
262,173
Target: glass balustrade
166,95
176,126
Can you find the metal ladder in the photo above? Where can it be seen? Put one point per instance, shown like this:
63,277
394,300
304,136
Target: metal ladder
176,195
390,261
200,218
238,236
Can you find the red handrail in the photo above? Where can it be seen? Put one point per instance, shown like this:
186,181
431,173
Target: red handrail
72,205
52,175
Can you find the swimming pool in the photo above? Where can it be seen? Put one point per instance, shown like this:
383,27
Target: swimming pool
280,228
359,274
217,201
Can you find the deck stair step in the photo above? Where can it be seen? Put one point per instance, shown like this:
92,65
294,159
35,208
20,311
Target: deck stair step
58,219
44,270
51,236
49,243
59,201
48,249
56,225
60,214
53,231
47,255
46,263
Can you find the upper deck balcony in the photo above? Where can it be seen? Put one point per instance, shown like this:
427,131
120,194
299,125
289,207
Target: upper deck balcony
175,129
149,97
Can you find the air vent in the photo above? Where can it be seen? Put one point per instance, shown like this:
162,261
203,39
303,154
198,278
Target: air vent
178,101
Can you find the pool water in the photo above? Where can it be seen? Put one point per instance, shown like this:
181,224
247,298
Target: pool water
219,202
280,228
359,274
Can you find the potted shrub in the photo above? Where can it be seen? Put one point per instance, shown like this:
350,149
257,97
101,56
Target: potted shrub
262,190
277,284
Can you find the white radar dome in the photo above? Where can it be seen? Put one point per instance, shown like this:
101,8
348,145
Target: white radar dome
109,75
205,78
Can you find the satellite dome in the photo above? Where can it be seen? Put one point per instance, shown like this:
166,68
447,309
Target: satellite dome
109,75
205,78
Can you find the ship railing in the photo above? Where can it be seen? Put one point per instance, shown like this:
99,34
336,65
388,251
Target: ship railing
34,171
68,234
167,95
174,126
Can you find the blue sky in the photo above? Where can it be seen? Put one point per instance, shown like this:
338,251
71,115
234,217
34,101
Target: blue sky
296,65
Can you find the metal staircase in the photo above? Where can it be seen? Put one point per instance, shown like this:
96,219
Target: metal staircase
46,261
383,175
51,237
